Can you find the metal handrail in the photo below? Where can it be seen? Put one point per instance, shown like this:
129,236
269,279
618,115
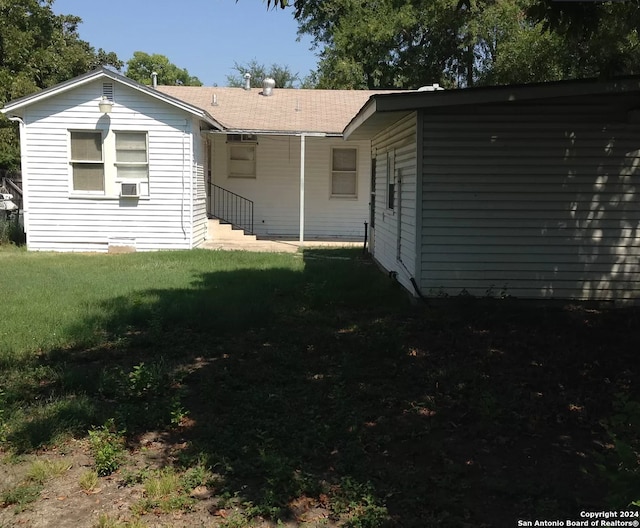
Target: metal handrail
232,208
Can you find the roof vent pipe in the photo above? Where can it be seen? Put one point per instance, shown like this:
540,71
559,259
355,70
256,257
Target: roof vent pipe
247,81
154,80
267,86
435,87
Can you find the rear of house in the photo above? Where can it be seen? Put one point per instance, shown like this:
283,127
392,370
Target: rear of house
129,179
283,151
527,191
336,183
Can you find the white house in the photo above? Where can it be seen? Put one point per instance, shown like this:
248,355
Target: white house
146,169
528,191
100,177
283,150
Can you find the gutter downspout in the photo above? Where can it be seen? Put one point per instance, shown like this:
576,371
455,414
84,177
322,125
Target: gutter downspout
302,153
23,170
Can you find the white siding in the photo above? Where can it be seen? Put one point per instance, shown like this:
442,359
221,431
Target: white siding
276,189
60,222
531,204
199,213
393,244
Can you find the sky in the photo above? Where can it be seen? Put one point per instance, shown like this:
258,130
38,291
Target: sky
204,36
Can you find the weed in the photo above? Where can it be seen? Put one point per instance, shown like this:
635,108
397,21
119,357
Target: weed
148,395
356,504
237,519
130,478
42,470
10,230
620,466
107,448
106,521
198,475
21,495
165,491
89,480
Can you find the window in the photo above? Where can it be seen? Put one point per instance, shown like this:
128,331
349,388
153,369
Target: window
391,181
372,203
251,138
242,155
86,161
131,155
344,172
101,161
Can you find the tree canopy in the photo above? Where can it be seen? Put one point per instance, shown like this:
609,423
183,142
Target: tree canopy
283,76
141,65
38,49
409,43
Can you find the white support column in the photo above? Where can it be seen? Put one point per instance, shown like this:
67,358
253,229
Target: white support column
302,152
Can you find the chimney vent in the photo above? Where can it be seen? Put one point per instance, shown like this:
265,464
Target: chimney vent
267,86
154,80
247,81
435,87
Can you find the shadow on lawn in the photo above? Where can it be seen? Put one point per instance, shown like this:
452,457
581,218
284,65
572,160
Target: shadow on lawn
326,385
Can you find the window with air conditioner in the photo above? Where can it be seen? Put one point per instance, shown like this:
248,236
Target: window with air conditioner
109,163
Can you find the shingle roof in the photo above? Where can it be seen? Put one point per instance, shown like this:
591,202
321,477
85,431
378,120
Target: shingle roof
286,110
18,104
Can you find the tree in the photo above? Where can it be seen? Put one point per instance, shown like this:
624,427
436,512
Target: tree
408,43
142,65
38,49
283,76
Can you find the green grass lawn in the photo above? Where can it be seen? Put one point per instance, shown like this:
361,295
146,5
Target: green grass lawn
310,381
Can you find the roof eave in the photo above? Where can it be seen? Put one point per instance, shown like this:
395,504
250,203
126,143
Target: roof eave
266,132
364,114
19,104
368,121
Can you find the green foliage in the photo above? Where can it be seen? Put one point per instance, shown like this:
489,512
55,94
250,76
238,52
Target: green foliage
21,495
107,448
146,396
283,76
142,65
409,43
620,464
28,491
42,470
167,490
88,480
357,503
38,49
107,521
10,230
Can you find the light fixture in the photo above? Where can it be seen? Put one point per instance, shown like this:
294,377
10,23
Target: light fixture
105,105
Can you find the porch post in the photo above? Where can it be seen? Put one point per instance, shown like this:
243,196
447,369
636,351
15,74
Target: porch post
302,152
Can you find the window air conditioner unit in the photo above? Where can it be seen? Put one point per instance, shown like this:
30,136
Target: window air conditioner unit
129,190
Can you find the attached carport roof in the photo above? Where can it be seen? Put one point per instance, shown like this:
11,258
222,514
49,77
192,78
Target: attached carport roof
382,110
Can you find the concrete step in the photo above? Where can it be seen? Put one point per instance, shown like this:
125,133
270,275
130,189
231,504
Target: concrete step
219,232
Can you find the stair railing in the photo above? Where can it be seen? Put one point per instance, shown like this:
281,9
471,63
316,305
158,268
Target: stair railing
231,208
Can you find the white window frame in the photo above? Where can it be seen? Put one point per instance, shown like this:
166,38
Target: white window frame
390,182
111,179
132,164
334,172
242,141
73,162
